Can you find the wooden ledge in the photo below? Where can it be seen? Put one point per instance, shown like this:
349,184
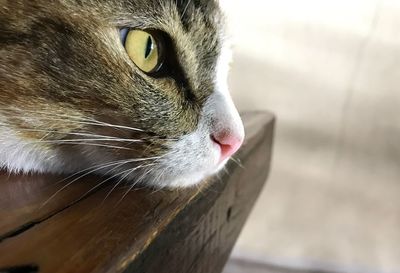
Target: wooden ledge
181,231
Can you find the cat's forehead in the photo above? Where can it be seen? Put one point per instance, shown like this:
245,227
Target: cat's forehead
191,16
186,9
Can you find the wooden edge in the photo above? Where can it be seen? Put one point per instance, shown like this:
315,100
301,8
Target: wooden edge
203,241
162,216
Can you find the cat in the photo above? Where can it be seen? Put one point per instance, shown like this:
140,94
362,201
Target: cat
132,89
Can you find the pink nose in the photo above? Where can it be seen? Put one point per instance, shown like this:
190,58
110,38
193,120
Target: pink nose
228,142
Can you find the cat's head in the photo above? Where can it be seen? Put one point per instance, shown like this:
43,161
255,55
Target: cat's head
133,89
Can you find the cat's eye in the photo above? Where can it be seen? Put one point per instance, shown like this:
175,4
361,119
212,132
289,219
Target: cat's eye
145,49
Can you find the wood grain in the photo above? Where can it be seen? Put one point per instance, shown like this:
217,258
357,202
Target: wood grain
190,230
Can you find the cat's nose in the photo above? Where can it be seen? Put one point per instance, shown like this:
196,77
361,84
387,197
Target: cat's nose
228,142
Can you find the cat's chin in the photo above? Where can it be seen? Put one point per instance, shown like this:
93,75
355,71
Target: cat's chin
186,180
192,180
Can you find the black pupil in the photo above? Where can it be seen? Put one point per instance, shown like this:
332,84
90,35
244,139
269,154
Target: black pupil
149,47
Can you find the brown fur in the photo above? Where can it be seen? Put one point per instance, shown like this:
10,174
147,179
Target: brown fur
62,61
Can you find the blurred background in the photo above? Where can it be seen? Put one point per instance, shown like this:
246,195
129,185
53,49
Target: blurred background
330,72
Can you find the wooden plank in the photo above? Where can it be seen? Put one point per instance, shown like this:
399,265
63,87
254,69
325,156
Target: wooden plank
23,198
190,230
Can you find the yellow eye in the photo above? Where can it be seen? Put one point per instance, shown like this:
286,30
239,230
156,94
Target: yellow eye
144,50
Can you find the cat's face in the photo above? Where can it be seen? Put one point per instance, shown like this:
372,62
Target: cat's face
77,95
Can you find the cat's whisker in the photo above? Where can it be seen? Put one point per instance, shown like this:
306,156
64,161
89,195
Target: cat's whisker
45,136
49,132
225,170
124,177
116,126
133,185
86,144
93,171
90,123
125,194
77,119
52,112
156,179
105,165
99,137
76,142
103,182
91,139
73,181
84,120
237,161
185,9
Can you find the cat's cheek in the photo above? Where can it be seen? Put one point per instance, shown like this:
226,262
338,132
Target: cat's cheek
198,155
189,161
